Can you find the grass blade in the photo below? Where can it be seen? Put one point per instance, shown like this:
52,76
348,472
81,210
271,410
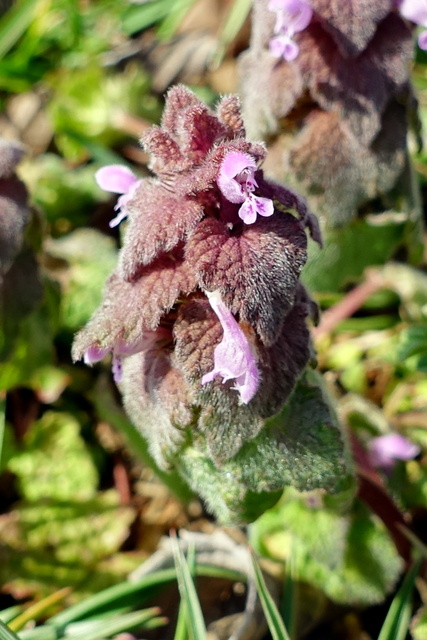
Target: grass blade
238,13
6,615
396,624
97,629
289,597
128,594
275,623
35,611
14,23
6,633
44,632
187,590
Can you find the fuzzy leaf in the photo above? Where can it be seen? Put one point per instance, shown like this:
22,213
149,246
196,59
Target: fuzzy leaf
14,216
350,557
229,113
55,436
158,220
156,398
301,446
352,24
357,89
256,269
129,309
225,423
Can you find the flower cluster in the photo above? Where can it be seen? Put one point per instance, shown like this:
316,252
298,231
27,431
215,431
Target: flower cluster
292,16
204,316
335,103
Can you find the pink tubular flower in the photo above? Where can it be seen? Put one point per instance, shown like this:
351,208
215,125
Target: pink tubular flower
96,354
416,11
292,16
385,451
122,349
237,183
233,357
117,179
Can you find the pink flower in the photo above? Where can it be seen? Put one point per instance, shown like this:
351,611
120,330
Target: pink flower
118,179
283,46
416,11
121,349
384,451
237,183
292,16
233,357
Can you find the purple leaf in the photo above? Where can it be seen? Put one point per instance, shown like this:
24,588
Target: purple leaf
158,220
255,270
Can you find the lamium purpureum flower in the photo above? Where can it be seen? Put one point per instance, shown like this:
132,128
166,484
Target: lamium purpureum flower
237,183
234,358
292,16
117,178
205,315
415,11
385,451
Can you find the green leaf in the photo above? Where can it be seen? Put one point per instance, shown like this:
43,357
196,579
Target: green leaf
302,446
419,624
396,624
348,251
413,341
49,545
53,438
275,622
91,257
350,557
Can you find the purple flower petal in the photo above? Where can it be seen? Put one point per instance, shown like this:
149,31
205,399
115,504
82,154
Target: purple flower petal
384,451
283,46
253,206
94,354
422,40
233,357
292,15
236,164
237,182
115,178
415,11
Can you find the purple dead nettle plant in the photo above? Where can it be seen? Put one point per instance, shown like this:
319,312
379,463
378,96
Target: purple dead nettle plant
336,93
205,316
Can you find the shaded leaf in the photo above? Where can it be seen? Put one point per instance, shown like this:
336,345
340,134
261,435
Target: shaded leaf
353,24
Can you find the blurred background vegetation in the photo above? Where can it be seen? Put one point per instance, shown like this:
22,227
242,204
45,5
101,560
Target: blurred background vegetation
80,504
